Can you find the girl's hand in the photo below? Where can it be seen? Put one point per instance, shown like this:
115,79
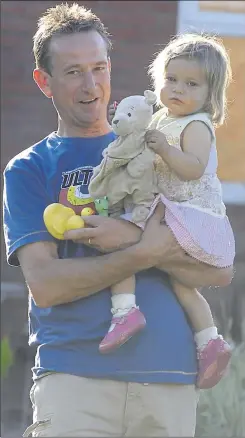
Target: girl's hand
156,141
112,110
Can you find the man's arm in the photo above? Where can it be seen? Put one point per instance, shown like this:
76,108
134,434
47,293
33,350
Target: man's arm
159,239
52,281
108,235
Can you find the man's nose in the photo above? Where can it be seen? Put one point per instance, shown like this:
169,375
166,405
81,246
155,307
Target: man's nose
88,82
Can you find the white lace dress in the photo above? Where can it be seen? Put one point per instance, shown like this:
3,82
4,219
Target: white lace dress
195,211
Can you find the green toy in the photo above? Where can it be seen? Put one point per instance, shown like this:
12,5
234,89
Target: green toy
101,206
7,356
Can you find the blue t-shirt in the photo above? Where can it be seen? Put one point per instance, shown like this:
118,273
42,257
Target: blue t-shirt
67,336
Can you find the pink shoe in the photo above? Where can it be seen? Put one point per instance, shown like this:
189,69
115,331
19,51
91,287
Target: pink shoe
125,327
213,361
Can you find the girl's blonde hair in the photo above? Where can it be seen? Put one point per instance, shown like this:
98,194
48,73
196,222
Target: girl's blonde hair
211,53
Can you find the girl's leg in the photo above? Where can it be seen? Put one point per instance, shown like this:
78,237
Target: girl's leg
127,318
125,287
213,351
195,305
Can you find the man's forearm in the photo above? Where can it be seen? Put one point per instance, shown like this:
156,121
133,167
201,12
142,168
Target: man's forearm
64,280
183,268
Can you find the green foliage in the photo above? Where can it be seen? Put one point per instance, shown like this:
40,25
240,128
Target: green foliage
6,356
221,411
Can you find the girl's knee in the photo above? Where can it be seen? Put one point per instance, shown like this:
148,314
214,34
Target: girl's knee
225,276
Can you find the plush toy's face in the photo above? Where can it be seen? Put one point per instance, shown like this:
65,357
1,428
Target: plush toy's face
133,113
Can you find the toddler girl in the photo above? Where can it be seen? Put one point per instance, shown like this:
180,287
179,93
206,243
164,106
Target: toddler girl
190,77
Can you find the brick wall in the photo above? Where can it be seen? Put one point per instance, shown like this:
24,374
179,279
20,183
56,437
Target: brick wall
27,114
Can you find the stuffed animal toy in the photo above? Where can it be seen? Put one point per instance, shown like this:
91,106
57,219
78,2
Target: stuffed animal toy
126,175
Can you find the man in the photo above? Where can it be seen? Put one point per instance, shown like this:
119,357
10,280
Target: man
147,387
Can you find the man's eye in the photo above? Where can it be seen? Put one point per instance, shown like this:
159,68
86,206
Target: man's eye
73,72
129,114
102,68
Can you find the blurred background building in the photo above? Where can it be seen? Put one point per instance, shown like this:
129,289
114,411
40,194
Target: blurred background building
139,29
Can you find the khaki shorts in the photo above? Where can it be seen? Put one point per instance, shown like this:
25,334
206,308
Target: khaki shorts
71,406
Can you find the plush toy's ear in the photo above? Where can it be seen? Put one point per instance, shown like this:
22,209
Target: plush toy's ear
150,97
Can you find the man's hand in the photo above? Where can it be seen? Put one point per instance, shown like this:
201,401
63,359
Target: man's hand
157,239
105,234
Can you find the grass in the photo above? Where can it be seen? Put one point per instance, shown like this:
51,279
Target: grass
221,410
6,356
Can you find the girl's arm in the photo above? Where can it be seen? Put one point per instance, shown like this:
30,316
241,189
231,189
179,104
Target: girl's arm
190,162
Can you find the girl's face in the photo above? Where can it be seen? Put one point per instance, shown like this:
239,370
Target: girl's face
185,88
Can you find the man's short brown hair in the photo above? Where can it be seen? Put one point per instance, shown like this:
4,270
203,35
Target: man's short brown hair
64,19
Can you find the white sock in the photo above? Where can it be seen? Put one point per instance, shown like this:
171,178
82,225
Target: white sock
122,303
205,335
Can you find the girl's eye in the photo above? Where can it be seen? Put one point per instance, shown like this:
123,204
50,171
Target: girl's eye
129,114
170,78
192,84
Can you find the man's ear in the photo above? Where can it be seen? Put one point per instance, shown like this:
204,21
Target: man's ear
42,79
109,63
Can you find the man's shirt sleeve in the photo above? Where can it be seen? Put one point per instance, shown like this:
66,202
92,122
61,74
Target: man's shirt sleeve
25,198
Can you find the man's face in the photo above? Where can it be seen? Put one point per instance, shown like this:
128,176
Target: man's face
80,78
